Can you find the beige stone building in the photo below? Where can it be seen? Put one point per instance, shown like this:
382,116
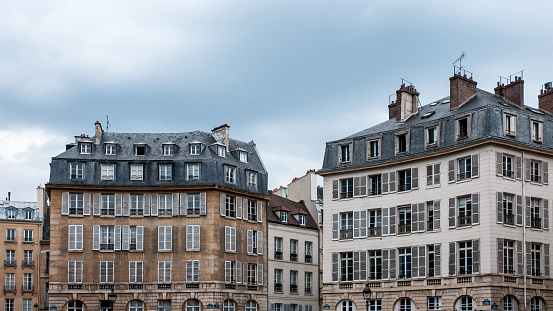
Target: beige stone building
444,206
158,222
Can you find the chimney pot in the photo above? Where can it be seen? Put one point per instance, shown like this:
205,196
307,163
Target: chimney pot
513,92
460,90
545,100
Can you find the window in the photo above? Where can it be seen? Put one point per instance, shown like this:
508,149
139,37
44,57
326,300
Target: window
293,250
75,238
344,154
510,125
401,143
164,305
404,180
346,226
536,259
243,156
108,171
346,190
375,184
508,166
509,257
165,172
164,238
405,263
106,271
107,237
135,237
229,272
27,281
535,213
27,304
10,281
293,281
10,235
346,305
168,150
307,282
431,136
463,128
137,172
375,222
12,213
465,258
252,179
192,271
136,269
108,205
230,239
136,305
111,149
464,166
302,220
404,225
508,209
252,210
250,306
9,305
375,265
228,305
230,206
537,131
433,174
509,303
74,271
431,261
284,217
346,266
10,257
405,304
375,305
86,148
434,303
278,248
195,149
165,207
192,237
28,214
536,304
106,305
139,150
193,305
465,211
230,174
535,171
76,170
193,171
221,150
374,149
466,303
164,271
430,216
76,204
75,305
278,280
193,204
137,205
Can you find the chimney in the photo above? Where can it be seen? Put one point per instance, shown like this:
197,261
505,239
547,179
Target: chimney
545,99
221,135
461,89
98,134
513,92
9,196
406,104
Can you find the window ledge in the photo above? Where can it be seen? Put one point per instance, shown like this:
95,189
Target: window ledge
198,216
465,227
75,216
167,216
464,180
107,251
136,216
28,242
107,216
535,183
193,250
164,250
75,251
135,251
10,242
231,252
434,186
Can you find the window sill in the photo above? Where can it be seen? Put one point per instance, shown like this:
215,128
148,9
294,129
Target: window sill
10,242
164,250
75,251
198,216
401,153
537,141
464,180
136,216
107,216
536,183
230,252
165,216
193,250
432,146
135,251
464,227
107,251
509,178
28,242
373,158
433,186
75,216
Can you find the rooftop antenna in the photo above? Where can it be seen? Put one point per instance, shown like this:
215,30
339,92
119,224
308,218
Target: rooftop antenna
107,123
458,69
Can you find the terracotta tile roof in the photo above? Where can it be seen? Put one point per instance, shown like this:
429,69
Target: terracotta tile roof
278,203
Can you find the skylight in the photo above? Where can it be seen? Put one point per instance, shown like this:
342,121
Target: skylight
427,115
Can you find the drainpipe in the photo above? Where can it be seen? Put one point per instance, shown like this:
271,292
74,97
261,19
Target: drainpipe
524,228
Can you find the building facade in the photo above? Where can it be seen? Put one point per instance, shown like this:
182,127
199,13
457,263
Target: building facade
21,230
293,280
158,222
444,206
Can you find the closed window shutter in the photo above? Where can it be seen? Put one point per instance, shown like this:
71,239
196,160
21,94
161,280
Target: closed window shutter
139,238
168,271
203,206
452,212
528,211
546,214
259,274
153,204
176,204
476,256
520,263
499,163
356,224
356,266
126,238
227,238
250,242
437,214
499,209
429,174
168,237
334,267
422,261
79,271
118,204
500,256
393,264
451,171
414,218
475,167
245,210
363,190
260,242
392,179
189,273
415,178
415,262
385,183
72,237
222,199
79,237
335,190
126,202
363,224
452,257
259,211
437,260
238,272
363,266
228,272
546,263
518,163
385,221
527,169
86,207
117,245
519,210
422,219
385,264
183,203
96,238
475,208
160,237
65,203
528,258
245,272
96,204
545,174
197,237
147,200
233,239
238,207
335,225
392,220
189,238
437,174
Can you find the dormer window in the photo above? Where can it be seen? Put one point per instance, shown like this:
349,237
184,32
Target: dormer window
11,213
537,131
195,149
243,156
252,179
431,136
510,124
111,149
302,220
463,128
168,150
221,150
139,150
402,143
29,214
345,153
86,148
284,217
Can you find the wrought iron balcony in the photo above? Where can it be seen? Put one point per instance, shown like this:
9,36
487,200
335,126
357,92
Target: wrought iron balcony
536,223
375,231
293,257
308,259
465,221
278,255
403,229
346,234
294,288
278,288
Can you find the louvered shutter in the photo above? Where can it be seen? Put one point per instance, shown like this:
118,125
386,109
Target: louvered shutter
197,237
356,266
203,203
250,241
335,224
546,214
385,264
228,272
475,208
528,258
233,238
519,211
132,271
238,207
72,238
363,266
176,204
437,174
238,272
452,257
260,242
259,211
286,307
126,204
96,238
245,209
227,238
415,178
414,218
520,263
259,274
334,267
168,237
422,261
527,169
139,238
160,237
154,204
392,179
414,263
500,256
356,224
499,209
451,171
273,307
499,163
393,263
545,167
546,263
392,220
118,204
222,208
429,174
189,272
385,221
437,260
356,186
363,224
518,165
437,214
528,212
385,183
183,203
422,219
363,190
117,236
168,265
452,212
79,237
126,238
190,238
335,192
147,200
86,208
245,273
476,256
475,167
96,205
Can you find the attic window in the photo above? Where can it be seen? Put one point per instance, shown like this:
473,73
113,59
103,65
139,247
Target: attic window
168,149
433,104
86,148
243,156
11,213
427,115
195,149
111,149
302,220
221,150
535,110
284,217
140,150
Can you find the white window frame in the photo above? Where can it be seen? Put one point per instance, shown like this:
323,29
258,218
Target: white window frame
284,217
195,149
107,238
230,174
427,134
244,156
12,213
345,153
194,202
193,237
464,246
136,205
76,170
536,130
108,171
165,204
377,143
221,151
10,280
106,272
230,206
111,149
193,171
165,238
252,179
27,235
27,281
192,271
28,214
510,124
76,204
75,238
164,271
230,239
165,172
460,135
398,145
138,268
108,205
508,166
302,219
10,235
136,148
535,171
168,149
137,172
27,304
86,148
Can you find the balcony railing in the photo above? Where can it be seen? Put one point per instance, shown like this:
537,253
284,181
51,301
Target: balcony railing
193,211
403,229
188,285
535,178
9,263
465,221
346,234
165,212
375,191
105,247
278,255
136,286
536,223
252,287
308,290
74,286
308,259
463,176
404,187
164,286
137,212
230,286
508,173
293,257
27,263
252,217
105,286
346,195
509,219
375,231
27,288
278,288
9,288
430,225
294,288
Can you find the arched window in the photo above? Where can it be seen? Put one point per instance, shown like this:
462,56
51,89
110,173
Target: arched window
346,305
75,305
509,303
136,305
536,304
405,304
466,303
192,305
228,305
251,306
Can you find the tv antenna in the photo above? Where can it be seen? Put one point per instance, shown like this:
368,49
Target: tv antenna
107,123
458,69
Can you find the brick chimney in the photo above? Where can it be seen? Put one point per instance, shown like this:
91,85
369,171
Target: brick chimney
545,99
461,89
406,104
98,133
221,135
513,92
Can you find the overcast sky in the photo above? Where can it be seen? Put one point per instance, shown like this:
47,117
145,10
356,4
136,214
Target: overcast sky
290,75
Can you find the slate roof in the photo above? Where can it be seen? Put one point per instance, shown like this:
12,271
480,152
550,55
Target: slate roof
278,203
